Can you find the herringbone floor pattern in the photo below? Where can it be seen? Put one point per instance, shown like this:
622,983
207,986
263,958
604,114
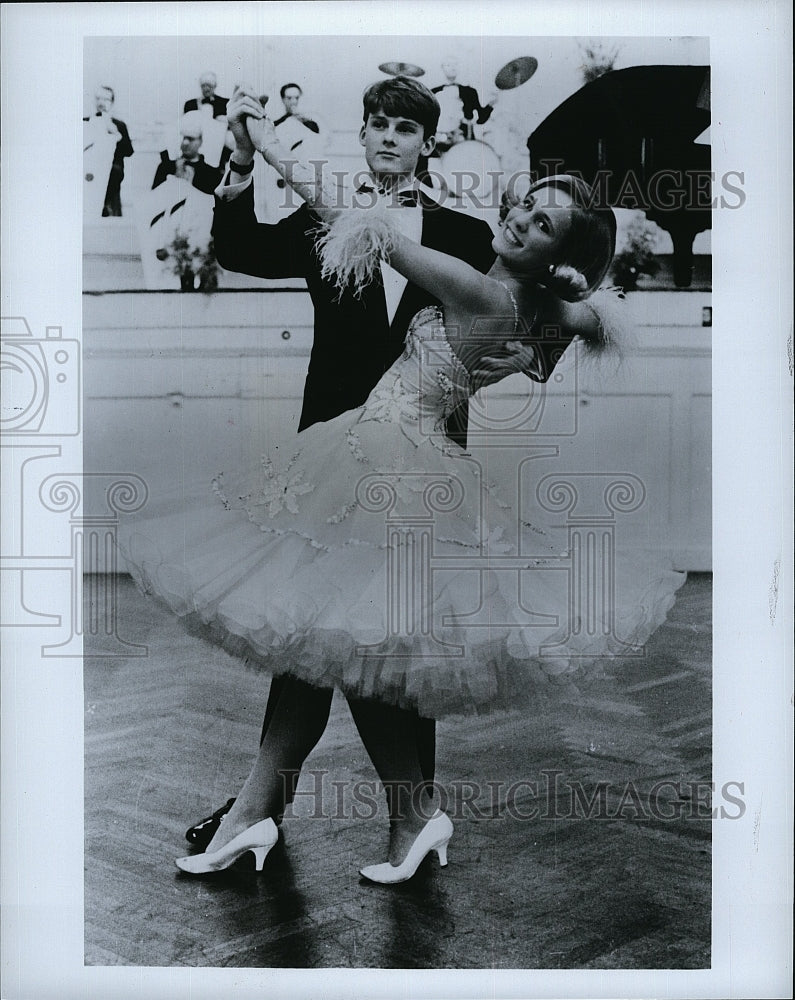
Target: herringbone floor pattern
591,849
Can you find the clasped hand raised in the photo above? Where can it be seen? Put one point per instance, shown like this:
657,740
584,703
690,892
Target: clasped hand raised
253,131
250,126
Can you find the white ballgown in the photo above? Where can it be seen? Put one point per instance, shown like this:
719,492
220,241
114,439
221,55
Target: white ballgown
377,559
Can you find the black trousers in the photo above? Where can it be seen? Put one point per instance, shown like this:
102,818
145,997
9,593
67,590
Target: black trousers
112,206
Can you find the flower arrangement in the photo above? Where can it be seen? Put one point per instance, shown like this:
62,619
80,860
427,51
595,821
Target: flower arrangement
637,257
196,266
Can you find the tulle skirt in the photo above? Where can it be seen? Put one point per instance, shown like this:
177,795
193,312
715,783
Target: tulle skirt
349,568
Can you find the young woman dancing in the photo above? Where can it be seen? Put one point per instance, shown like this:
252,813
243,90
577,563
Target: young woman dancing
313,522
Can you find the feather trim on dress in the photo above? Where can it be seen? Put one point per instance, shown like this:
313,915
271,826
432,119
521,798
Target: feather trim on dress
352,247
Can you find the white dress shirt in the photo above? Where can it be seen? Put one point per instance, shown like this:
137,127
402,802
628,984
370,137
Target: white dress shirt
409,222
407,217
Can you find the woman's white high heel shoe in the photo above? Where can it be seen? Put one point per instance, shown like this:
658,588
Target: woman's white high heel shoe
258,839
434,836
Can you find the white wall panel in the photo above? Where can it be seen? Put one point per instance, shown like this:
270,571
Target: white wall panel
177,381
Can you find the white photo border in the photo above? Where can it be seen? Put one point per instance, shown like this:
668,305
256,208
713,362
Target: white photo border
42,705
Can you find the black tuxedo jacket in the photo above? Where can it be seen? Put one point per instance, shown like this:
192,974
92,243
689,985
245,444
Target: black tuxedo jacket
353,342
306,122
219,105
205,177
123,146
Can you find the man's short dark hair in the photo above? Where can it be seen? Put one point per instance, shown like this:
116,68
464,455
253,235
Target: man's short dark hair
104,86
283,90
403,97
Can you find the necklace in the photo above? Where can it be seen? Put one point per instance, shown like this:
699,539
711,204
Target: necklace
516,309
512,297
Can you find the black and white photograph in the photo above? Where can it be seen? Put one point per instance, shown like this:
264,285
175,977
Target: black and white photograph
397,533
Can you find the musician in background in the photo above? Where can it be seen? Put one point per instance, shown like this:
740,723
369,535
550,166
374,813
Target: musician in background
461,109
190,164
292,124
115,127
296,130
209,102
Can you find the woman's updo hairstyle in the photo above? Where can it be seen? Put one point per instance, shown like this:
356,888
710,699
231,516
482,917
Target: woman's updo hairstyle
591,242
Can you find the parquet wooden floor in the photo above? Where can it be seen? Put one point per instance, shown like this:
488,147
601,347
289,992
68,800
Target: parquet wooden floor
169,736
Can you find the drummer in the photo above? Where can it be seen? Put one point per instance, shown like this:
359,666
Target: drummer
460,104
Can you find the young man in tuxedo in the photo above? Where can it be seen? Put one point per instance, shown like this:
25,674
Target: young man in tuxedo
356,340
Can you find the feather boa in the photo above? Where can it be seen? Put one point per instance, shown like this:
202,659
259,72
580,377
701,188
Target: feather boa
352,247
610,307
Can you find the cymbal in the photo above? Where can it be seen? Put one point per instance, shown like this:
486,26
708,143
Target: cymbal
516,72
401,69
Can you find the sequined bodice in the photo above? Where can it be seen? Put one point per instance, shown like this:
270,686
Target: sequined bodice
425,385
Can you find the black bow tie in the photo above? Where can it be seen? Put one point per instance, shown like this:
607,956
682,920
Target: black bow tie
409,199
207,100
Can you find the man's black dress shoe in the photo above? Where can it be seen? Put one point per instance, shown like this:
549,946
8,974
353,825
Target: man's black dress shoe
199,836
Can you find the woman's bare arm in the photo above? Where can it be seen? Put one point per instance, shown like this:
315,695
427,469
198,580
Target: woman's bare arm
253,130
461,289
575,319
456,284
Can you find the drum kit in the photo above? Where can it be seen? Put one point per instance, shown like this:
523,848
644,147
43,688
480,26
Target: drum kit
470,167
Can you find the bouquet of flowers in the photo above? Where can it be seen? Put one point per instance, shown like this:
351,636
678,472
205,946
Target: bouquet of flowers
196,265
637,256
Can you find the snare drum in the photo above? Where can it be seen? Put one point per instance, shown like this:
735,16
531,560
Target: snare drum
471,171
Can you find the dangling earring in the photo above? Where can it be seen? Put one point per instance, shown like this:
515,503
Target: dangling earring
552,268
